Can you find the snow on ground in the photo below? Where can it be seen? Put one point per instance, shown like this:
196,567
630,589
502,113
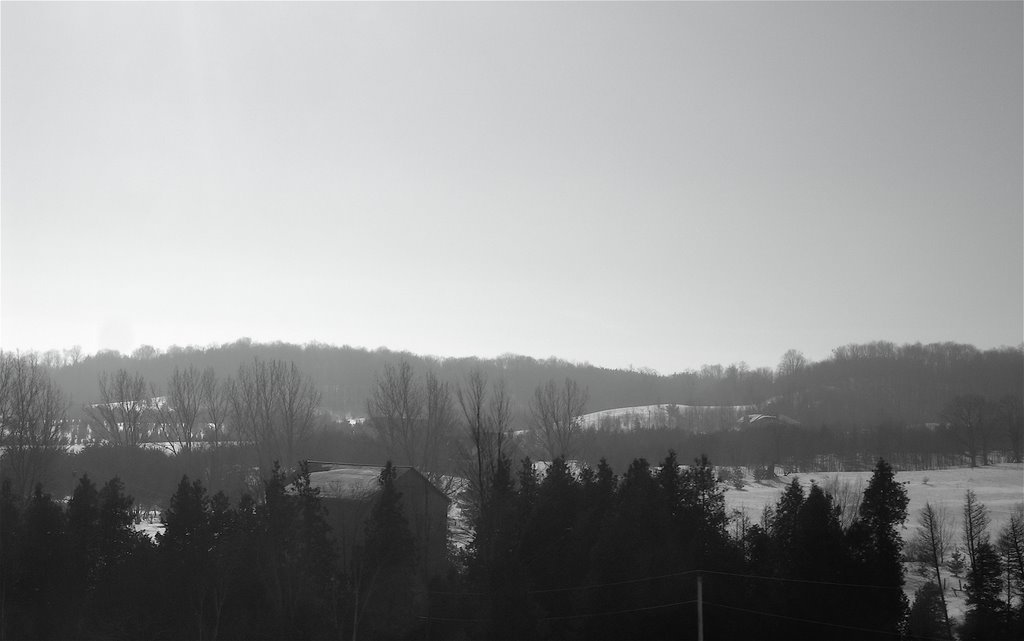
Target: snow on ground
999,487
654,412
150,524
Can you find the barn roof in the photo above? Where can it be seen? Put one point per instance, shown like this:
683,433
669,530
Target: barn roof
346,481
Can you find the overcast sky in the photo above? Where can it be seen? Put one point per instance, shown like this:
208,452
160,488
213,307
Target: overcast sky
659,185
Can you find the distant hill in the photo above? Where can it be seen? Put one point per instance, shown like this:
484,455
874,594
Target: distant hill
865,384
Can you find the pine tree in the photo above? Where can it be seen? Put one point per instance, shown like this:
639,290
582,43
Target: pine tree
185,546
83,514
41,579
384,579
957,563
984,585
703,503
10,557
927,614
878,546
123,590
1011,549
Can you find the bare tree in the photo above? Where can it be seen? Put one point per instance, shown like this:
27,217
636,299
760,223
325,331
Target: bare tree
394,409
216,401
935,539
33,410
73,355
847,496
52,359
488,419
792,362
1010,413
273,405
440,423
123,406
179,412
298,401
414,419
557,415
967,416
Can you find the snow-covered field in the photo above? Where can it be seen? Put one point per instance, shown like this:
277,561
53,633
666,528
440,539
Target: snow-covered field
999,487
649,415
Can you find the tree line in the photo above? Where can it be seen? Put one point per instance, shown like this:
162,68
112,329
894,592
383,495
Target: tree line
856,385
559,555
227,429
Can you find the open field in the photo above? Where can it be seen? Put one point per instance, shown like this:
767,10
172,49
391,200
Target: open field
999,487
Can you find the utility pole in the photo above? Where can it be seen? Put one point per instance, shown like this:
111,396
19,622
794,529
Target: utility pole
700,608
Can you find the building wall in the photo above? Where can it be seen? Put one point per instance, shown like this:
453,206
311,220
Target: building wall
424,508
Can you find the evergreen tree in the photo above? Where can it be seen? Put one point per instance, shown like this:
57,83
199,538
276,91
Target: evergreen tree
120,604
702,503
186,547
878,547
984,618
1011,549
640,539
957,563
495,566
926,620
10,559
783,523
297,560
548,544
83,550
384,599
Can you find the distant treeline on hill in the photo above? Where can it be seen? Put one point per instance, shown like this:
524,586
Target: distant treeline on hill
857,385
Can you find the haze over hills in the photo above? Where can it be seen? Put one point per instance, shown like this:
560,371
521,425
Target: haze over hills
857,385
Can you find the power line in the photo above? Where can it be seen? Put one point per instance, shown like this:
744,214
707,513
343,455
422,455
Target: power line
572,587
601,614
603,585
776,578
573,616
833,625
677,574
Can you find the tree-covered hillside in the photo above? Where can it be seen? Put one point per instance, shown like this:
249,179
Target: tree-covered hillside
857,385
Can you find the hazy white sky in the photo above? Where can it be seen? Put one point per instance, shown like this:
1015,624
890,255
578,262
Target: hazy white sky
660,185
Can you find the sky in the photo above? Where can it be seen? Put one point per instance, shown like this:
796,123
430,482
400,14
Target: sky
650,185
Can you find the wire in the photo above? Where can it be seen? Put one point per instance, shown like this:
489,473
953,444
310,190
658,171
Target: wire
677,574
573,616
602,585
601,614
573,587
833,625
776,578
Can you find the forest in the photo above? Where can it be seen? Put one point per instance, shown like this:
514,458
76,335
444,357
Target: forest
595,543
857,385
648,554
227,410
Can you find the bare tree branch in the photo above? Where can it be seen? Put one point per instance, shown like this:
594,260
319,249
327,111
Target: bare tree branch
33,411
557,415
124,403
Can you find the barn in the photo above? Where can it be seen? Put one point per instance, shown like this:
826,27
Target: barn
348,492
